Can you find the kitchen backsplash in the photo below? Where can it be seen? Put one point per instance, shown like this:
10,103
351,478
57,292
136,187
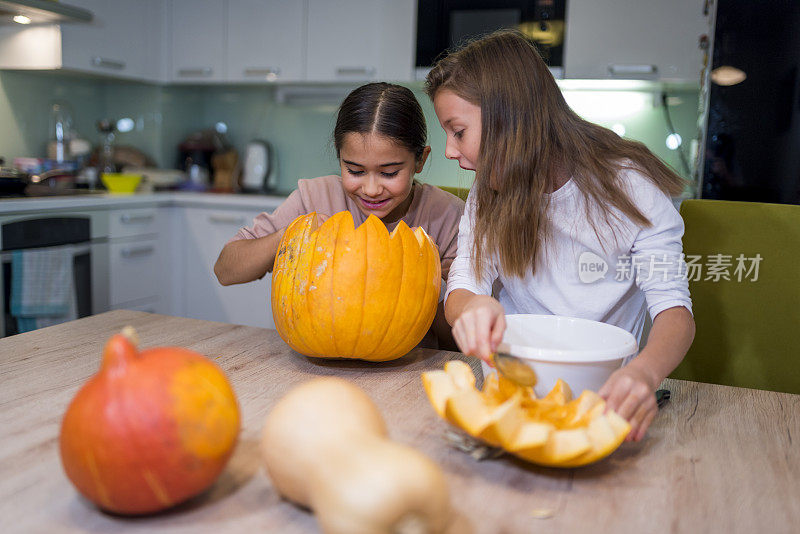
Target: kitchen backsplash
300,132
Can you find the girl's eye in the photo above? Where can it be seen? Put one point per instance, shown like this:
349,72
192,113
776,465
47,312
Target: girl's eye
355,173
390,174
458,134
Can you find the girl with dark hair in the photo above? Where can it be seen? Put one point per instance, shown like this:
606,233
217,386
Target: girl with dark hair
552,194
381,143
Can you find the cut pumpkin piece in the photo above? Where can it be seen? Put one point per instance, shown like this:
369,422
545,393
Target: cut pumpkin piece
561,445
584,409
461,374
560,394
491,388
439,386
501,421
554,431
468,409
499,389
529,435
605,437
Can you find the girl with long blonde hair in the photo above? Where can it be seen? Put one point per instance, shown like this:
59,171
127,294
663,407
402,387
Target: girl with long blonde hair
550,191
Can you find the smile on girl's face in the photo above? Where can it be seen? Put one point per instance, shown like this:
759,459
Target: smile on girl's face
377,173
461,121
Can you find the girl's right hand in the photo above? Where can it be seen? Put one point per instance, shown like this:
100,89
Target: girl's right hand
479,328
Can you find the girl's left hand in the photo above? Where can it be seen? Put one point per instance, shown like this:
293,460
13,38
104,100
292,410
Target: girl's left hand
630,392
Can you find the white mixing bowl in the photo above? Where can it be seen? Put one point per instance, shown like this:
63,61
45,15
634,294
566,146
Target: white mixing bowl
581,352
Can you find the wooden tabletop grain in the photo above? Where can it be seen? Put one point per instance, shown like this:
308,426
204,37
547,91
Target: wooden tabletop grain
717,459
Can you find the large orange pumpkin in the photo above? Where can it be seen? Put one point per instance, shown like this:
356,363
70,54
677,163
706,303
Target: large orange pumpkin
150,429
341,292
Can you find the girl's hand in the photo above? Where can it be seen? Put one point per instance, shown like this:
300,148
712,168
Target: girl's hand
479,328
630,392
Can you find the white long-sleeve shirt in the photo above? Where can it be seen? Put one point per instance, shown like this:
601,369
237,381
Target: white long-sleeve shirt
642,269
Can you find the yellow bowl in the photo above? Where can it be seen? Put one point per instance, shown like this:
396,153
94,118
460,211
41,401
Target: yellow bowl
117,182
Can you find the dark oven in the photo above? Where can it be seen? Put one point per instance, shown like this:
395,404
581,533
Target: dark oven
444,24
75,232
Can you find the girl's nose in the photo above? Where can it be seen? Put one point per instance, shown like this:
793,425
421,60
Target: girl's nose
450,151
372,186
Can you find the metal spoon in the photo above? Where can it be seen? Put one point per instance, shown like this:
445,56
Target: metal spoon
513,368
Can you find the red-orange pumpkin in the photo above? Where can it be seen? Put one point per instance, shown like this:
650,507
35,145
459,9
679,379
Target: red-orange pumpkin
150,429
342,292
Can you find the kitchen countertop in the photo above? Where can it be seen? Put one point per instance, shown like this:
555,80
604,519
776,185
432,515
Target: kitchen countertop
716,459
167,198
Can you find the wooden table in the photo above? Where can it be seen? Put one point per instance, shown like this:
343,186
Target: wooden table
717,459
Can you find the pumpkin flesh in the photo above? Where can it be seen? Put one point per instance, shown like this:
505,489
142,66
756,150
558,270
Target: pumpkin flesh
554,431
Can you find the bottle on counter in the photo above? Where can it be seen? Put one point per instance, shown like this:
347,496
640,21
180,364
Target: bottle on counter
61,132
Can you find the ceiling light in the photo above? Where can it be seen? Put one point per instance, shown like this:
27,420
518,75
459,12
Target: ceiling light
726,75
21,19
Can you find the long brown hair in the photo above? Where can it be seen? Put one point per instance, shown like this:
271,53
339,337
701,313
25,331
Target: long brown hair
531,141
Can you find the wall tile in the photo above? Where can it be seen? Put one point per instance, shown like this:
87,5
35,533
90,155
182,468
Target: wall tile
301,134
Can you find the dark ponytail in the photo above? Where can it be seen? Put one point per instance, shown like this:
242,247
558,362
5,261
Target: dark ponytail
386,109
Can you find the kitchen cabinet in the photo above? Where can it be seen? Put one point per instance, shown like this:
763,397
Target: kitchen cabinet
137,260
204,233
197,40
212,41
266,40
123,40
156,253
634,39
357,40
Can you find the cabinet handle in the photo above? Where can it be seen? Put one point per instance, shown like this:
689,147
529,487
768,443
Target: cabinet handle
355,71
132,252
618,70
270,73
134,219
203,72
106,63
222,219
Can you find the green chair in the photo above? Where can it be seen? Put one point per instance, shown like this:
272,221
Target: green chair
748,325
460,192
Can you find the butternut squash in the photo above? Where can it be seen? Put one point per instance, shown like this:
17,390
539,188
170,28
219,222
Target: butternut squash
325,446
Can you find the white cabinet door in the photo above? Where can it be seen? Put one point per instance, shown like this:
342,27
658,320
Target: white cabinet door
634,39
114,43
197,40
357,40
133,222
205,232
398,40
137,258
135,268
266,40
123,40
35,47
